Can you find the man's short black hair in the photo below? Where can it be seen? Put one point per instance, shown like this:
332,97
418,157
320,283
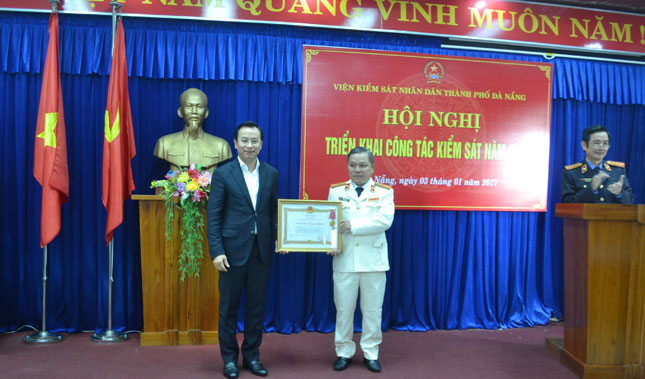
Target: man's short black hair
586,134
362,150
249,124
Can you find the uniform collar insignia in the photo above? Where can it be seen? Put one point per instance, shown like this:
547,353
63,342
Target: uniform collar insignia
584,168
607,166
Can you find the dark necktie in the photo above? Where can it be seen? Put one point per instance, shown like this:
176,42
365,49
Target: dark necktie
359,191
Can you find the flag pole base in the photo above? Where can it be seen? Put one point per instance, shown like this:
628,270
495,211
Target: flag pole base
109,336
43,337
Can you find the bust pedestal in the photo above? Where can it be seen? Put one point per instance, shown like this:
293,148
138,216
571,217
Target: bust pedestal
174,312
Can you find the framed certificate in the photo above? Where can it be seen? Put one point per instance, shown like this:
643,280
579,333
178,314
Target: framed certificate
309,225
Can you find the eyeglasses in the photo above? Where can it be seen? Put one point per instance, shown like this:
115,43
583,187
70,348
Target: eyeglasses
597,144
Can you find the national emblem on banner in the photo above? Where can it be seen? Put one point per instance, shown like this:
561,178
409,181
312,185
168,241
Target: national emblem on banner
434,72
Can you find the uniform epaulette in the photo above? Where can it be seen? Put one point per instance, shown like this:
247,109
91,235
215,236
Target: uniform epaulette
572,166
338,184
383,185
617,164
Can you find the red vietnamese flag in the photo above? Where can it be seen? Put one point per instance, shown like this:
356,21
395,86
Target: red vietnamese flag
50,149
118,144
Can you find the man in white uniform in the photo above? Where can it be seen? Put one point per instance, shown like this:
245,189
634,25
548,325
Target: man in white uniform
368,211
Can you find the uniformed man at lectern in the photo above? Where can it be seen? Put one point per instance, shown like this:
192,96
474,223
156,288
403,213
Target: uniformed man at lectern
595,180
192,144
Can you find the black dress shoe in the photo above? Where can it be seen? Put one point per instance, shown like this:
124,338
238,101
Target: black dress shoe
372,365
342,363
255,367
230,370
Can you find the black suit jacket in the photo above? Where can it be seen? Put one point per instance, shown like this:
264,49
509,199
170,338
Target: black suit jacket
231,218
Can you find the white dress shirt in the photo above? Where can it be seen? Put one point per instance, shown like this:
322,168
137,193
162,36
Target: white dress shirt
252,179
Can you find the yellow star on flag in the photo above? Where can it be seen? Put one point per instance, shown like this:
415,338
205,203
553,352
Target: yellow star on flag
112,133
51,119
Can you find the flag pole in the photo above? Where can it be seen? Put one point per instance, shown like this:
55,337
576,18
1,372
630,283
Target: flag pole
44,337
109,335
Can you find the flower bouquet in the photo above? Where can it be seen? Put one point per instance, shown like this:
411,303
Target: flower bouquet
185,190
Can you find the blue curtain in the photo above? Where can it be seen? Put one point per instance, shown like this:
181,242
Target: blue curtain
449,269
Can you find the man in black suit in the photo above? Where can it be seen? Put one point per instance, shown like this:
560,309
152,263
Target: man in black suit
595,180
242,227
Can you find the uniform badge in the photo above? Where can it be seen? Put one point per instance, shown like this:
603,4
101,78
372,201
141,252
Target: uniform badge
383,185
572,166
338,184
607,167
584,168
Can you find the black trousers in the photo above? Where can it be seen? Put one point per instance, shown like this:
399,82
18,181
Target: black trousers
252,277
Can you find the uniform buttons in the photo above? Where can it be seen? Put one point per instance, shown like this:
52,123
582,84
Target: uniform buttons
601,186
584,186
602,199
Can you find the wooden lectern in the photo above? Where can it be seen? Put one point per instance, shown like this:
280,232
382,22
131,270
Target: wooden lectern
604,291
174,312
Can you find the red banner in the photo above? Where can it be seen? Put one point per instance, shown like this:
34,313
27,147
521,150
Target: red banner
447,132
491,20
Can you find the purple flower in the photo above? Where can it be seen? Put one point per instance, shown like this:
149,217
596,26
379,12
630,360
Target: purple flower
181,186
